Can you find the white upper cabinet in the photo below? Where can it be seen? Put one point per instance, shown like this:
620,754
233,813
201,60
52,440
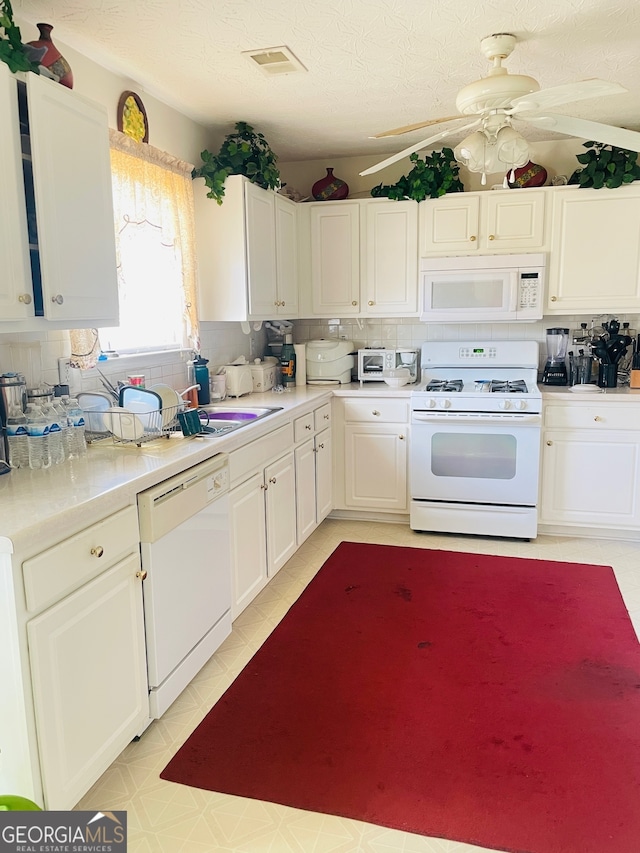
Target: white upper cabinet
489,222
335,258
363,258
595,256
247,253
57,213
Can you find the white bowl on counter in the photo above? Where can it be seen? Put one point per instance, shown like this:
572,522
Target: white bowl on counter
397,377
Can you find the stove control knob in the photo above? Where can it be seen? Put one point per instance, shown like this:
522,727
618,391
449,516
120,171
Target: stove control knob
431,403
521,404
505,404
445,404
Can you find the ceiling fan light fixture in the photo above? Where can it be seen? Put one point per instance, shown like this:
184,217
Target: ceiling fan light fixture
488,154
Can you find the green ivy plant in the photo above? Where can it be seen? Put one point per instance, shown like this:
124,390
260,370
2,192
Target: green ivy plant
431,177
244,152
605,166
12,51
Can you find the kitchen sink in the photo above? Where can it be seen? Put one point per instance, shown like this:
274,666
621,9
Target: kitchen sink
223,419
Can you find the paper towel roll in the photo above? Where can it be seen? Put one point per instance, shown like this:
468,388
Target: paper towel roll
301,364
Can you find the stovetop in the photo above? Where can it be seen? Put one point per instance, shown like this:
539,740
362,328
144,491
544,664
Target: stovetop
460,376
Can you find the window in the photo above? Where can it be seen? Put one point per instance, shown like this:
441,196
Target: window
154,226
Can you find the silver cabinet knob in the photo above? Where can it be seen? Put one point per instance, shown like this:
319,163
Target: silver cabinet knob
25,298
273,480
371,302
354,302
554,298
376,413
98,551
58,299
401,437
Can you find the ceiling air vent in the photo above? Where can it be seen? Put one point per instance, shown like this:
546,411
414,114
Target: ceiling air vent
275,60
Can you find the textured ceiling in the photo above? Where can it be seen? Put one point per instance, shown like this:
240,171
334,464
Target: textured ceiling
372,64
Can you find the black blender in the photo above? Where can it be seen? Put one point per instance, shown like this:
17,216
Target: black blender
555,370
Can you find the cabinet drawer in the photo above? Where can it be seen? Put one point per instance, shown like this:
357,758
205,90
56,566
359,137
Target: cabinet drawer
257,454
322,417
303,427
376,411
604,416
59,570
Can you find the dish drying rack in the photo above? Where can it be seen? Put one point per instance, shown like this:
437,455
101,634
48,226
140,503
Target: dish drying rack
131,428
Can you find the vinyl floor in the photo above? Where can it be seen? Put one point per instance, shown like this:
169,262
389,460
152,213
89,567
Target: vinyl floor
164,817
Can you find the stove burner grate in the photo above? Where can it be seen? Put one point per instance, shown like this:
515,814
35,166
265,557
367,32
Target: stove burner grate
445,385
503,386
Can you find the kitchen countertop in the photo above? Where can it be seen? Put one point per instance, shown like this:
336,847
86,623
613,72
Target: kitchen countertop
39,507
622,394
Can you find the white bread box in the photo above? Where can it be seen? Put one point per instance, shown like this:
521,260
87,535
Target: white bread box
263,373
329,362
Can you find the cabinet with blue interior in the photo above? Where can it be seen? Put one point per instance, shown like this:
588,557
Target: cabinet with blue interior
57,222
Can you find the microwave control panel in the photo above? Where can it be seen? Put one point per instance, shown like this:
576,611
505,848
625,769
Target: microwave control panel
529,289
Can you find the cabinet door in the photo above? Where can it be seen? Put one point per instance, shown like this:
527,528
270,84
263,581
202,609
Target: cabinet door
248,542
335,259
610,461
286,257
89,679
16,296
280,480
73,202
449,224
514,220
375,458
324,475
390,279
595,257
305,457
261,251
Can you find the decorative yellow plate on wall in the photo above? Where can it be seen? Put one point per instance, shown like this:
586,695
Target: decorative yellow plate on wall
132,117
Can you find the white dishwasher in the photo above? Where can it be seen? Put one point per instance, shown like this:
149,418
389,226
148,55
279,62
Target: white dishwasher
185,546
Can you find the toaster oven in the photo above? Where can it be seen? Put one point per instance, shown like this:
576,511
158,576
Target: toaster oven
373,362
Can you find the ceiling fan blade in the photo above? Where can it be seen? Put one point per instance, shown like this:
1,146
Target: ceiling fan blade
565,94
584,129
398,131
413,148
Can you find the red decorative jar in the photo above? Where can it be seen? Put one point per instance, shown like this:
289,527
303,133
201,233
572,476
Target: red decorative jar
330,188
529,175
53,60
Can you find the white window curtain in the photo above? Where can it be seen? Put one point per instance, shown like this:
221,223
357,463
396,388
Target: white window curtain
153,206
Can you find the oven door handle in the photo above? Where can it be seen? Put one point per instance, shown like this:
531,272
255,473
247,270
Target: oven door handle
471,418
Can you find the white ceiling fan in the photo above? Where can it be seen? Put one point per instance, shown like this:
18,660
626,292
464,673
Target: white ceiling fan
500,98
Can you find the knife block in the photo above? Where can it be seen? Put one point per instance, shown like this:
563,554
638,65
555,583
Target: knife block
634,381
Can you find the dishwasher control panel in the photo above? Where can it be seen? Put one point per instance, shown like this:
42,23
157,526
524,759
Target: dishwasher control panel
218,483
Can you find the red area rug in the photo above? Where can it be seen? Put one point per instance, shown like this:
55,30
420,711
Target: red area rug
482,699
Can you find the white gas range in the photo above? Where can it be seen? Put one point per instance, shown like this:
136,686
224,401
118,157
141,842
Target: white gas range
475,443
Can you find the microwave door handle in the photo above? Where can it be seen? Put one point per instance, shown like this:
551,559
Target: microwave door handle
514,281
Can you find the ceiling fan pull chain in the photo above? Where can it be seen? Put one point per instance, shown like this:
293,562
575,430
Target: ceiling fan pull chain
483,179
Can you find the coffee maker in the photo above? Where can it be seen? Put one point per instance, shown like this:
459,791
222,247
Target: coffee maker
13,391
555,369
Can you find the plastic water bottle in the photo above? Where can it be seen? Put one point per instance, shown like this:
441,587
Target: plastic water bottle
17,437
38,437
75,417
55,436
61,409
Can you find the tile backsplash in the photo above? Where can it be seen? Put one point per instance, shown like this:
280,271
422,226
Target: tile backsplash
36,355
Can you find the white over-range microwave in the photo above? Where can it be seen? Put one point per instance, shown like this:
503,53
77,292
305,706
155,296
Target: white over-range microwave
482,288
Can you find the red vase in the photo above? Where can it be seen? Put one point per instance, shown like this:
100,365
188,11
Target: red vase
330,188
53,60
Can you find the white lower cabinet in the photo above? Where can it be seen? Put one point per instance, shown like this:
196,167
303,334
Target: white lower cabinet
591,468
314,492
262,513
86,653
372,456
314,469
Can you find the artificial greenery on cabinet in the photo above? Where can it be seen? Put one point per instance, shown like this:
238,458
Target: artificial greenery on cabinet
431,177
605,166
244,152
12,51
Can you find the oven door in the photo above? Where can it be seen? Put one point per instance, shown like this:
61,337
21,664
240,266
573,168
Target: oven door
473,457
